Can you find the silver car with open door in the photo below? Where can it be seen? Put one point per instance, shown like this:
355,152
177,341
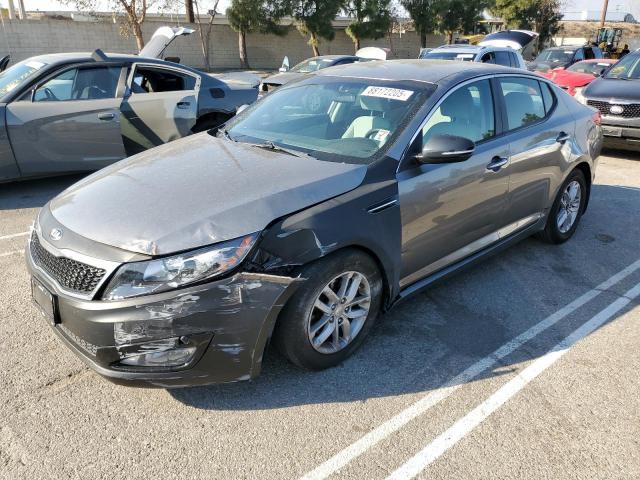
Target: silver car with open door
75,112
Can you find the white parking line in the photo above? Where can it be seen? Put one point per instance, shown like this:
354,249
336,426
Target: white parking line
14,235
395,423
474,418
12,252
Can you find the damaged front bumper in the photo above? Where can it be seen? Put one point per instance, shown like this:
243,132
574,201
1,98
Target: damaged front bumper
210,333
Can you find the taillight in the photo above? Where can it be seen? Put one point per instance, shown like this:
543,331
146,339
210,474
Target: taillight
597,119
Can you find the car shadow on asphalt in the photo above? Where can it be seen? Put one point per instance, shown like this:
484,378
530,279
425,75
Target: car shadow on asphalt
34,193
427,341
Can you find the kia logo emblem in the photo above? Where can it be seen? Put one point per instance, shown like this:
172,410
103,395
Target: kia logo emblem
55,234
617,109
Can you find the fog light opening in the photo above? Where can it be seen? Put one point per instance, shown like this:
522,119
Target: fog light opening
172,353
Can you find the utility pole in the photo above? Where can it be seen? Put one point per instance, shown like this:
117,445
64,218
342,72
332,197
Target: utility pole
603,17
188,6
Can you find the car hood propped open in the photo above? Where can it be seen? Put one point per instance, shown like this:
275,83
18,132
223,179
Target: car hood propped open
196,191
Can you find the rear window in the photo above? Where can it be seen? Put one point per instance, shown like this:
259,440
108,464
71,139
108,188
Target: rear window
523,100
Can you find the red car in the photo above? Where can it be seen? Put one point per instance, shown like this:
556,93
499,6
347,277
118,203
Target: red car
579,74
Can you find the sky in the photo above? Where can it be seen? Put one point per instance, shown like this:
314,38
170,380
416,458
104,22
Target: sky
632,6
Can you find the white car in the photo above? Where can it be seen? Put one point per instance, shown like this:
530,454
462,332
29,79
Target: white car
477,53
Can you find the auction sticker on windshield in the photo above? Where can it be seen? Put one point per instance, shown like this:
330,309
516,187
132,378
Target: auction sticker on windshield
387,92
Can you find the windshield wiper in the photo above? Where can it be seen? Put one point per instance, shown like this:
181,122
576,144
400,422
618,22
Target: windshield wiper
269,145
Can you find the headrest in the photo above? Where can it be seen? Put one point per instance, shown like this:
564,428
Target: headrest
458,105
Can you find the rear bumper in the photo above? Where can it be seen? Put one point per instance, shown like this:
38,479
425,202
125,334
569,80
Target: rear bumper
228,322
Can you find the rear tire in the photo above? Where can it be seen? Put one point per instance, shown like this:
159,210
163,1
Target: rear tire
340,300
567,209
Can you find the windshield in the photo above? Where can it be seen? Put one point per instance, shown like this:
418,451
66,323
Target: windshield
628,68
555,56
14,76
344,120
594,68
312,65
465,57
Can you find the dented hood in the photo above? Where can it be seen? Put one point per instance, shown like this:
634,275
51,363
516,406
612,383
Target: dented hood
196,191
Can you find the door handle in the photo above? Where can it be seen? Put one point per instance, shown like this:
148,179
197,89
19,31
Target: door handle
106,116
562,137
184,104
497,163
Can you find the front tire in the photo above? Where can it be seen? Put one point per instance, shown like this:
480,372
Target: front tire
329,317
567,209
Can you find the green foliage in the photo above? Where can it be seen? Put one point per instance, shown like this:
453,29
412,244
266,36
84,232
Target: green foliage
541,16
446,16
371,19
315,18
247,16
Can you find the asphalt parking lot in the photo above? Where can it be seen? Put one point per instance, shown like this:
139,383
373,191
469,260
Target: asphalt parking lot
524,367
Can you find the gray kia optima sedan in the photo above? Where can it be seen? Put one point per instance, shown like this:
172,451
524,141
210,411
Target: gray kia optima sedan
299,226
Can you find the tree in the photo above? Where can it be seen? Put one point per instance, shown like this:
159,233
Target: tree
135,13
315,19
247,16
204,30
542,16
424,16
371,19
459,15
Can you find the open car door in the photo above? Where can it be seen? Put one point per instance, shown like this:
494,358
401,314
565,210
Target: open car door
161,39
160,105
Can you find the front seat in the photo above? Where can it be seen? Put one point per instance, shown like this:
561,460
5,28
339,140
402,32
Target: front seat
460,109
361,126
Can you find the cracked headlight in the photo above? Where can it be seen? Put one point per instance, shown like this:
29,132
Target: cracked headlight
162,274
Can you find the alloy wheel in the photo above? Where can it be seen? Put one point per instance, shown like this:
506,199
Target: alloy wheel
339,312
569,206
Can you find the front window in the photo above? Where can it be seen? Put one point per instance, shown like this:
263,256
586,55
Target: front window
337,119
594,68
555,56
628,68
15,75
463,57
312,65
79,84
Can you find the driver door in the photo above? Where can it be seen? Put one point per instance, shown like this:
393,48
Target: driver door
451,210
69,122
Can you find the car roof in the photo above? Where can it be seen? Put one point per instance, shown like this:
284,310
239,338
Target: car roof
73,57
432,71
466,48
331,57
566,47
599,60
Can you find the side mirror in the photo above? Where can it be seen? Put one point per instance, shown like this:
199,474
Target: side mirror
444,148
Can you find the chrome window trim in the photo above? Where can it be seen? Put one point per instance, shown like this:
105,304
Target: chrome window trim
108,266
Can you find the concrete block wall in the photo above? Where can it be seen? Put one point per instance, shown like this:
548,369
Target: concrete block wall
26,38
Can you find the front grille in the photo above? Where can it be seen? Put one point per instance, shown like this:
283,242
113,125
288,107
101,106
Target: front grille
70,274
630,110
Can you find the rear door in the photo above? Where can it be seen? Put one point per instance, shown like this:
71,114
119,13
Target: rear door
451,210
161,105
540,130
70,121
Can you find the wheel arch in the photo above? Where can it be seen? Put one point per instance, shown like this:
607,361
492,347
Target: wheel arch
585,168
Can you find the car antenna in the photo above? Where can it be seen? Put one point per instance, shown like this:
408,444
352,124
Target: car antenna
99,56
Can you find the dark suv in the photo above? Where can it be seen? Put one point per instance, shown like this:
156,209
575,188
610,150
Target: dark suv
617,95
563,57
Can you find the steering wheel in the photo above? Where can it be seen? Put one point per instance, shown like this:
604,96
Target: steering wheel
49,94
